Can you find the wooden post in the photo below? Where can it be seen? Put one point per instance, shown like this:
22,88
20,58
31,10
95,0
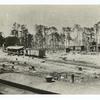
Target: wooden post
96,37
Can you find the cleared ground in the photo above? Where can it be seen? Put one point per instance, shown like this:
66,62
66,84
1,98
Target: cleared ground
87,80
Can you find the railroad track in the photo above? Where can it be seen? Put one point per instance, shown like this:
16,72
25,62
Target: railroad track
21,88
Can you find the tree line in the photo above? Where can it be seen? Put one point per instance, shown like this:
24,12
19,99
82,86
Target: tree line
44,36
19,36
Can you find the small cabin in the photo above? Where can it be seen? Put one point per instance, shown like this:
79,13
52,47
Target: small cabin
15,50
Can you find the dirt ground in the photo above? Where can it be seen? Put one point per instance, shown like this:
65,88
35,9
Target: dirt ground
57,86
86,80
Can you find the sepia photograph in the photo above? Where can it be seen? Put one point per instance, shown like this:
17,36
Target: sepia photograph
49,49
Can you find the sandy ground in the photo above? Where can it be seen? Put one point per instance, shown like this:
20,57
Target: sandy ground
58,87
77,57
41,65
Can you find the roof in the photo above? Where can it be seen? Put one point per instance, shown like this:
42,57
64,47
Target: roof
15,47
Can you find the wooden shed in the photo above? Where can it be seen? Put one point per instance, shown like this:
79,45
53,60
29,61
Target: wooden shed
16,50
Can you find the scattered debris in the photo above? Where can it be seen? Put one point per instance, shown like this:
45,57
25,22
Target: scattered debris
13,67
32,68
43,61
80,69
25,63
13,63
3,65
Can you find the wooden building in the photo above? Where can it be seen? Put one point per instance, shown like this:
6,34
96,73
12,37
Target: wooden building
15,50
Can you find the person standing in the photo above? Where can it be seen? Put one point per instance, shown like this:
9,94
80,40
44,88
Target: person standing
73,78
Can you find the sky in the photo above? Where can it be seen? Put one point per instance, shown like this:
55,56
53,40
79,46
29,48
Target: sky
50,15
